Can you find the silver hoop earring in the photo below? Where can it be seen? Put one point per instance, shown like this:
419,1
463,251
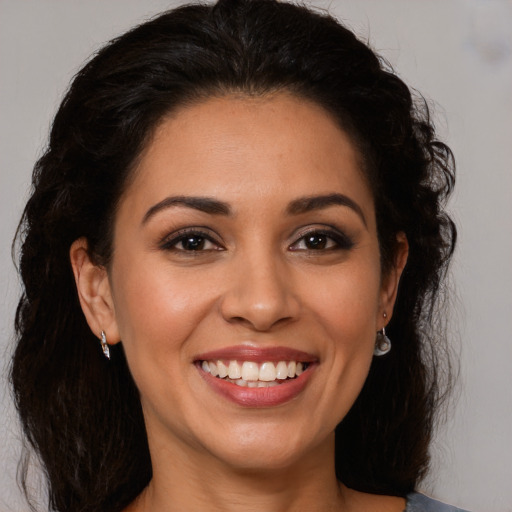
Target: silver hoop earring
104,345
382,343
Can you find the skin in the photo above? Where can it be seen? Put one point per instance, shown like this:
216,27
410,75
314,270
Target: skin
254,282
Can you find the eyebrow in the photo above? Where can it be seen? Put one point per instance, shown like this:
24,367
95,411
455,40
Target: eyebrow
203,204
308,204
216,207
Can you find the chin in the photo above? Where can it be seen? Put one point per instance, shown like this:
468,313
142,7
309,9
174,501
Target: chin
260,460
259,448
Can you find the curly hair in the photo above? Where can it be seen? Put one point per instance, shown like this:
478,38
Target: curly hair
83,416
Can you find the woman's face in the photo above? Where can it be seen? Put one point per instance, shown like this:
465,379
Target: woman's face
246,244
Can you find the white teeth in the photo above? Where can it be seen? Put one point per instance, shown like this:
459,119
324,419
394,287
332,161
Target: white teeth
267,384
222,369
252,384
252,374
267,372
282,370
250,371
213,369
234,370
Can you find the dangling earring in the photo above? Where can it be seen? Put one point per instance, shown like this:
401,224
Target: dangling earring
104,345
382,342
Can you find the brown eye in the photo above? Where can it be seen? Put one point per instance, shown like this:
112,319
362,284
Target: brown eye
322,241
315,241
192,243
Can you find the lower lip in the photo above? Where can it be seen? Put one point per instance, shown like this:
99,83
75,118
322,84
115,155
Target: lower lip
259,397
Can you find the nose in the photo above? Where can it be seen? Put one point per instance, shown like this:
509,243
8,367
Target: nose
260,293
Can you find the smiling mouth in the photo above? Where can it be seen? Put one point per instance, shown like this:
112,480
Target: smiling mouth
253,375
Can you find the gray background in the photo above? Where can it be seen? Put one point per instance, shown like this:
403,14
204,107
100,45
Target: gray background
458,53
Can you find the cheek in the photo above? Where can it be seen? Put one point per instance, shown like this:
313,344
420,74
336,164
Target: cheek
157,316
348,304
155,311
347,310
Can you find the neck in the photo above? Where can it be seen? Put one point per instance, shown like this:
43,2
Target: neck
194,483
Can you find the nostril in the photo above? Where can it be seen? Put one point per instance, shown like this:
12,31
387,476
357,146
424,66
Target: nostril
259,324
239,320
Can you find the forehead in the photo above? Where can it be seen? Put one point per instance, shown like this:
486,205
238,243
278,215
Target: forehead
248,148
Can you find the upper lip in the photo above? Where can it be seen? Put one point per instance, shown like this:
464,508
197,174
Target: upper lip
256,354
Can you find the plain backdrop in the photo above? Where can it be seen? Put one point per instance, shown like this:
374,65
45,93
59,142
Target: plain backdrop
458,53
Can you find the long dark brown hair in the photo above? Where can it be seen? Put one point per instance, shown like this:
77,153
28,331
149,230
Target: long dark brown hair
82,415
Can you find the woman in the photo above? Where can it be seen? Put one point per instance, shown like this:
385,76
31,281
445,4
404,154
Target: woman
239,211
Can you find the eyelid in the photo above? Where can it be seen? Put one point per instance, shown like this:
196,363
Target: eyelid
342,240
169,241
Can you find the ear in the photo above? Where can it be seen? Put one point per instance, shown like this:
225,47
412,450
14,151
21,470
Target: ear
391,280
94,292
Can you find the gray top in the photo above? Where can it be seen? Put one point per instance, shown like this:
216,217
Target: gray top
420,503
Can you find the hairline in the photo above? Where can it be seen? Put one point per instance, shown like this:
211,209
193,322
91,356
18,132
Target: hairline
203,95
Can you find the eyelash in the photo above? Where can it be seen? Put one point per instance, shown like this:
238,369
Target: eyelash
182,235
337,240
341,240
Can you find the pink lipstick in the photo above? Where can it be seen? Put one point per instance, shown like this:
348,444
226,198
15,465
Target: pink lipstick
256,376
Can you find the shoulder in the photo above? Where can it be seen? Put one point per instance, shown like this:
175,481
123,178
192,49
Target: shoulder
417,502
